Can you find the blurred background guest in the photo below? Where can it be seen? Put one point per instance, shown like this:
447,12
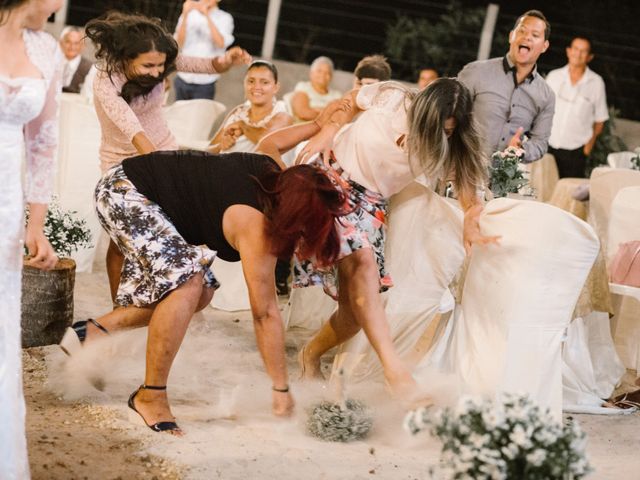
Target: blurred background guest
203,30
309,98
371,69
426,76
76,66
581,109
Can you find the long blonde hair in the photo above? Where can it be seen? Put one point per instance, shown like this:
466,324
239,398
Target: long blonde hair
437,156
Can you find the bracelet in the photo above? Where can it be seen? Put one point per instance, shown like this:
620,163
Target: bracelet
281,390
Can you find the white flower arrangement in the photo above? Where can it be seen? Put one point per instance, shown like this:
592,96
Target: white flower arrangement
504,172
510,438
65,233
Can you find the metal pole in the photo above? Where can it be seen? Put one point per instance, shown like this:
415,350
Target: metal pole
271,29
486,37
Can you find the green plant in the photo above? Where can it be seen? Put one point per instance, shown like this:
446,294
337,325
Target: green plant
65,233
505,174
446,44
509,438
635,161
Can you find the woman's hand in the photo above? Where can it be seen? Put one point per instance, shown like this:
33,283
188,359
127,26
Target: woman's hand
321,142
471,229
340,104
41,253
233,56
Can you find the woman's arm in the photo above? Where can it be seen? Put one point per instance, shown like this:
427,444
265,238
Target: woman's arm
472,205
301,107
232,57
278,121
244,229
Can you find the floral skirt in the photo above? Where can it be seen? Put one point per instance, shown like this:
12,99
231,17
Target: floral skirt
363,227
157,260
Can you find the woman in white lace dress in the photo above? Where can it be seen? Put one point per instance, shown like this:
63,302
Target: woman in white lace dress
30,79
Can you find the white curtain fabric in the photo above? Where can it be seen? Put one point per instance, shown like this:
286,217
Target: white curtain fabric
423,254
517,301
624,226
79,169
620,159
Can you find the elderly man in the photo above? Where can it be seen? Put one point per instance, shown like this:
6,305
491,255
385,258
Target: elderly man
510,97
581,109
76,66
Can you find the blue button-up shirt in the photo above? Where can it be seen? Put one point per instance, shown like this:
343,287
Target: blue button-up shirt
501,106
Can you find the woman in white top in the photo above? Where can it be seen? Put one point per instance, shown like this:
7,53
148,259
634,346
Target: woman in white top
309,98
399,135
247,123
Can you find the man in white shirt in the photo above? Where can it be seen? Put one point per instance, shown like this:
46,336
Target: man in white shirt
76,66
581,109
203,30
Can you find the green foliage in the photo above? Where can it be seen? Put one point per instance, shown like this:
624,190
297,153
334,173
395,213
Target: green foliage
446,44
504,173
606,143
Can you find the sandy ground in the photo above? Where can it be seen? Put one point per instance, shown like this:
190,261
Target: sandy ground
221,397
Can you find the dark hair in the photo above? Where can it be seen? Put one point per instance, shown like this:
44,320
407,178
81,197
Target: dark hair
373,66
302,205
537,14
268,65
120,38
439,156
585,38
6,6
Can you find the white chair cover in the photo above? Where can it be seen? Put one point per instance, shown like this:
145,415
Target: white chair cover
191,121
233,294
517,300
620,159
624,226
423,253
604,186
79,168
591,368
544,176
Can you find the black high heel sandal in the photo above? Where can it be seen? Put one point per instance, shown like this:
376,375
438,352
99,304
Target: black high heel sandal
156,427
76,334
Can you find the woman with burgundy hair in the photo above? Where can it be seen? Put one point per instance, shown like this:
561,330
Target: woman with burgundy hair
172,212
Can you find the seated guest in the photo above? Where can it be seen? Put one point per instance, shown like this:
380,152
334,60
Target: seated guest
247,123
371,69
76,66
426,76
309,98
172,212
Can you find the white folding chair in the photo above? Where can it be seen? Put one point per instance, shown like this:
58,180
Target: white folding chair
624,226
191,121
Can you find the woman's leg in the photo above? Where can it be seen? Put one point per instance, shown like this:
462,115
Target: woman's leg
167,327
359,284
115,259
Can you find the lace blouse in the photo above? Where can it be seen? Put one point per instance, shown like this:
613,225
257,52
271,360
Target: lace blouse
120,121
241,113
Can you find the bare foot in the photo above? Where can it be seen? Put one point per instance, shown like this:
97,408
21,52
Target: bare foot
404,388
309,365
153,407
282,404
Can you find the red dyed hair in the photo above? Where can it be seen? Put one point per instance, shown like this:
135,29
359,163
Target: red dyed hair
302,205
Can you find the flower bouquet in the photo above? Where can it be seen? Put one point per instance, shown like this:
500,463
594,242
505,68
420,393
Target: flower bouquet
504,172
510,438
65,233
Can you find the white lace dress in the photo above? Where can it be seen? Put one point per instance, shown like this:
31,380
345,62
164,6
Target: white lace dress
28,125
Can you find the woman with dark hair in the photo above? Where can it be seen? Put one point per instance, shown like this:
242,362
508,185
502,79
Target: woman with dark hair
30,82
238,206
399,135
135,54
